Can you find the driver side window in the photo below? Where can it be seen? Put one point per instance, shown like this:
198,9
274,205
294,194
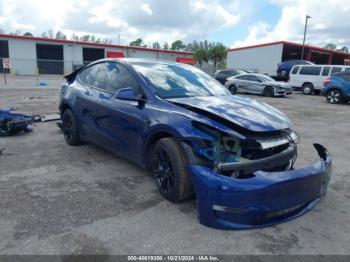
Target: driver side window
117,77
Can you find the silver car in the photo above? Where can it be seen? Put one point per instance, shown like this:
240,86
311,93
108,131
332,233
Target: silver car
257,84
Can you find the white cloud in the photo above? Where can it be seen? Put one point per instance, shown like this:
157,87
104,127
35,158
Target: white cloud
152,20
329,23
145,7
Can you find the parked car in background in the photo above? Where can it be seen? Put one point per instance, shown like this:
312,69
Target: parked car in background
284,68
222,75
336,88
257,84
310,78
235,154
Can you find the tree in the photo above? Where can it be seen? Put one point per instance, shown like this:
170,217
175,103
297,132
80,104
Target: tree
156,45
138,42
344,49
2,31
60,35
201,55
217,54
75,37
166,46
28,34
178,45
330,46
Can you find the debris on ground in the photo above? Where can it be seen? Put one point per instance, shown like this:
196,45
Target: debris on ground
46,118
11,124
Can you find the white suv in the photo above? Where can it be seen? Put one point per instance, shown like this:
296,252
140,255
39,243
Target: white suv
309,78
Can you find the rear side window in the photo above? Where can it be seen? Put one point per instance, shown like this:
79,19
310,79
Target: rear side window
243,77
335,70
325,71
310,70
94,75
295,70
347,69
117,77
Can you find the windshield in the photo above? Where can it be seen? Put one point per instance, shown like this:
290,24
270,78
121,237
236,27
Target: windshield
174,81
266,78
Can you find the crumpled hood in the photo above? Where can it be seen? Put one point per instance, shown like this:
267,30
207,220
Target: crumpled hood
244,112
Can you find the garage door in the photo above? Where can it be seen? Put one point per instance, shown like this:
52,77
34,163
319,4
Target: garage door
50,59
92,54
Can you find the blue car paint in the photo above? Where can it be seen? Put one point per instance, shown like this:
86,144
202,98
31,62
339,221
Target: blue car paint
101,115
288,65
336,81
251,203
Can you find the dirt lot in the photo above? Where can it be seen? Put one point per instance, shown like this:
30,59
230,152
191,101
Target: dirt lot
57,199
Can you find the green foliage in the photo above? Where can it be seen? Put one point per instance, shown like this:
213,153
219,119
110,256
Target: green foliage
60,35
330,46
138,42
178,45
201,55
217,54
156,45
344,49
28,34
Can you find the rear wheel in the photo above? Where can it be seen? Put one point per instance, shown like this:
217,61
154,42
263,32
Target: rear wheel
168,167
284,73
334,96
232,89
70,128
307,89
268,91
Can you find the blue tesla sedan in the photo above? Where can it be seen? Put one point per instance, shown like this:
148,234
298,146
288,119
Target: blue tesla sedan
234,154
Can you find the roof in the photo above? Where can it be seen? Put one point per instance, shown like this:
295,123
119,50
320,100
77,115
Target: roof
290,44
62,41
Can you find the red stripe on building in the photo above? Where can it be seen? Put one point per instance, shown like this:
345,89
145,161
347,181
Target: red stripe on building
185,60
111,54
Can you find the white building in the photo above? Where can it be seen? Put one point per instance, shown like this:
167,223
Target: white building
37,55
266,57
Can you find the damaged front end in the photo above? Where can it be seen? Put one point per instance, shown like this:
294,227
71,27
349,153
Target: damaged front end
11,123
248,181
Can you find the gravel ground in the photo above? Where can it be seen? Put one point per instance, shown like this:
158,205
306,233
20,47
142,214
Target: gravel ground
57,199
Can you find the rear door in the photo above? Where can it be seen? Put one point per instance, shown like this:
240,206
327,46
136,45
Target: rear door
255,85
311,74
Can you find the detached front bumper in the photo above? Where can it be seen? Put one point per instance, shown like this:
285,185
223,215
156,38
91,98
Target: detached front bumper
264,199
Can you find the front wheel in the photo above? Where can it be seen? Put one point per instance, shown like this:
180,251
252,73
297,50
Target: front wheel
169,170
232,89
334,96
269,91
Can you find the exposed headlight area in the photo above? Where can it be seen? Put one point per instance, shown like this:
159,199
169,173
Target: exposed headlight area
240,158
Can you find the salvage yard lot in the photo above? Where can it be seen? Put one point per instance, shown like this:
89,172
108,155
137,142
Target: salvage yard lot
58,199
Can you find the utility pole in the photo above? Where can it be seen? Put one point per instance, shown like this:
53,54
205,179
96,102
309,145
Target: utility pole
302,51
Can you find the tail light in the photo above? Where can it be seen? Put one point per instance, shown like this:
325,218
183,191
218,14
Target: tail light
326,81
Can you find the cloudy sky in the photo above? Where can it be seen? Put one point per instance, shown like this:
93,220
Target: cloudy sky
232,22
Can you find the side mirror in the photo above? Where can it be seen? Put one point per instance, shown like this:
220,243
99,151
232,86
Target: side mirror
127,93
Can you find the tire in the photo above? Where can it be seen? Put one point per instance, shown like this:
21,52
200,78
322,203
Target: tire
232,89
284,73
70,128
169,170
334,96
268,91
307,89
